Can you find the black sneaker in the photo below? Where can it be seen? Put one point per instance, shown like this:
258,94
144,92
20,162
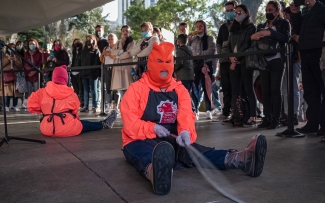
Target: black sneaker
265,123
163,157
109,121
250,123
307,129
275,123
227,122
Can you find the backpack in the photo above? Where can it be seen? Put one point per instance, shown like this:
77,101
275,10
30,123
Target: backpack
240,112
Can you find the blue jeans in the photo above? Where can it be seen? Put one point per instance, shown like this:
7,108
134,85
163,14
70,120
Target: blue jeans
88,126
139,154
90,84
15,101
215,95
296,93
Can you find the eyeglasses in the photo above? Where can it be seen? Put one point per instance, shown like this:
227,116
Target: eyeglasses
238,13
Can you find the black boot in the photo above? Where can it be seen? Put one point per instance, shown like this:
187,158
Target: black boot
160,171
275,123
251,159
265,123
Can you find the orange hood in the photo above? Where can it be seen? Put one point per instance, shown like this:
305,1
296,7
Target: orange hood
58,91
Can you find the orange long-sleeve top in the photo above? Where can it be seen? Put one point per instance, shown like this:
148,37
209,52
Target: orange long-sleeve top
134,103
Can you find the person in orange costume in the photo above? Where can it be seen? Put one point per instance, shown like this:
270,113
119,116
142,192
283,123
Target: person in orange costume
157,106
59,105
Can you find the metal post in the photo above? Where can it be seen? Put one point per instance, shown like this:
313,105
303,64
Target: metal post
290,131
102,109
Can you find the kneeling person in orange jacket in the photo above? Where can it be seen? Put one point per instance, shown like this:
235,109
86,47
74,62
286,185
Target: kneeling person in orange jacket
59,105
157,105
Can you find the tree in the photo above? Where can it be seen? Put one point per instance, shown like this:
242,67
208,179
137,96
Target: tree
167,14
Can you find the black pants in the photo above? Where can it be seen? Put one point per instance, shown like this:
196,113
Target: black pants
199,78
271,82
226,87
78,88
314,91
239,77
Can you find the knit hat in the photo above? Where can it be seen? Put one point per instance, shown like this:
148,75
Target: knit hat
161,59
60,75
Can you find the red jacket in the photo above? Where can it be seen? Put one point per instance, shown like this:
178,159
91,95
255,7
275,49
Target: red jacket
41,102
36,59
134,103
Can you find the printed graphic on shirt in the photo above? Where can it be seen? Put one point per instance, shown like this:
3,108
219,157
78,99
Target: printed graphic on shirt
167,111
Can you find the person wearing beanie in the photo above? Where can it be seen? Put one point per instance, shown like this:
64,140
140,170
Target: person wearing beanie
59,105
157,106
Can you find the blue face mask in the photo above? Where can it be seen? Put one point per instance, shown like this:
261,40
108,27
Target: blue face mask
145,34
230,15
32,47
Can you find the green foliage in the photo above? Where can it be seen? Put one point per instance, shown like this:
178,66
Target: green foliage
167,14
87,21
37,34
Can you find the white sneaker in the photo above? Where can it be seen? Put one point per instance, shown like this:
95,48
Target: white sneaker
215,112
209,115
23,106
16,108
7,109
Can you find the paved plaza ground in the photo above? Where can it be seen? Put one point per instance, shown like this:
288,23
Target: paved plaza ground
92,168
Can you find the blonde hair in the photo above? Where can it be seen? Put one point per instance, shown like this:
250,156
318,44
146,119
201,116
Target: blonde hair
147,24
112,35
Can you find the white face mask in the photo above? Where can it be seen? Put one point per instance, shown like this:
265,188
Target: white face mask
240,18
200,35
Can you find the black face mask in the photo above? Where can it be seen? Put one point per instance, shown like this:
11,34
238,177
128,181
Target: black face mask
78,45
88,43
270,16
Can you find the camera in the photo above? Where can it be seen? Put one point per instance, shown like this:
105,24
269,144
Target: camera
299,2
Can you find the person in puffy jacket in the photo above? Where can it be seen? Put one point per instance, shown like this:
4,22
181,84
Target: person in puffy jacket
59,105
158,122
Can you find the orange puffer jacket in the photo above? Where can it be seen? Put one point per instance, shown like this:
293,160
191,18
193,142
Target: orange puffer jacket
59,105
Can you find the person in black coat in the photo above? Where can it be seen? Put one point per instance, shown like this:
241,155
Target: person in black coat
310,26
90,57
276,31
241,31
75,76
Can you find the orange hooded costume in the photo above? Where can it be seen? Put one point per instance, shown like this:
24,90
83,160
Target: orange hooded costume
144,104
59,105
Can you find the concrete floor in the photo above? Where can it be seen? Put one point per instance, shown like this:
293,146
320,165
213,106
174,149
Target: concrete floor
92,168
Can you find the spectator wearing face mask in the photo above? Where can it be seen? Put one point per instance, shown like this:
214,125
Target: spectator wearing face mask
224,70
202,44
241,31
21,51
75,76
309,25
58,57
34,56
277,32
90,57
101,41
20,48
144,46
